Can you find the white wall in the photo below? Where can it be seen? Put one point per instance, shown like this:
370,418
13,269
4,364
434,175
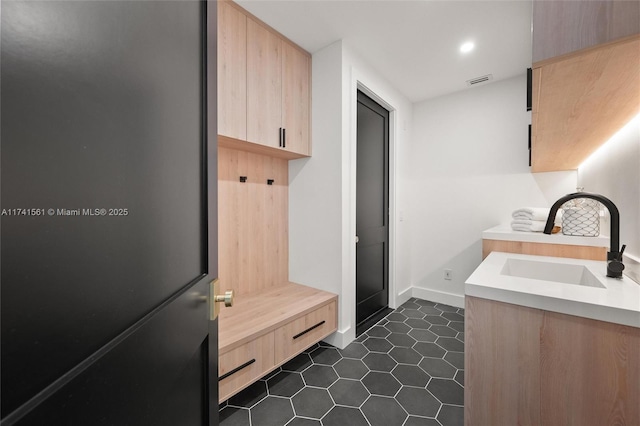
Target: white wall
315,184
614,171
458,167
322,188
359,75
468,163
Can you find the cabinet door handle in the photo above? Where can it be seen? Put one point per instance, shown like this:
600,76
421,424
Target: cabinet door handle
235,370
280,141
529,88
284,138
529,145
308,330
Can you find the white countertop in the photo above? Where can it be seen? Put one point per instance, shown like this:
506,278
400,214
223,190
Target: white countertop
618,302
505,233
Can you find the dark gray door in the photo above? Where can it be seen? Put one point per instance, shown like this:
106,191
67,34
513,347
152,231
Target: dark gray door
372,209
108,226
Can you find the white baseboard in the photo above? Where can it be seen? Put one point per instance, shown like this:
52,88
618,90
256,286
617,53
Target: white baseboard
340,339
452,299
403,297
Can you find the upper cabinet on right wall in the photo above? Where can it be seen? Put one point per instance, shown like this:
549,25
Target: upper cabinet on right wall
586,78
561,27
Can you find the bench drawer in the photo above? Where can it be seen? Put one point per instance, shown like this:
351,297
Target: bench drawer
297,335
243,365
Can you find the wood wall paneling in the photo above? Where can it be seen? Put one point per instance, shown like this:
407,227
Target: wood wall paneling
232,71
274,223
253,221
228,220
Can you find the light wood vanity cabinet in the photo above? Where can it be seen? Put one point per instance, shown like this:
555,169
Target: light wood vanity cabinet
264,87
526,366
544,249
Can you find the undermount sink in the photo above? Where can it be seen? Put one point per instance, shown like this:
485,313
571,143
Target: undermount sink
550,271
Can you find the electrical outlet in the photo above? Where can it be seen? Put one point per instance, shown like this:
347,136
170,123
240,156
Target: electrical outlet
448,274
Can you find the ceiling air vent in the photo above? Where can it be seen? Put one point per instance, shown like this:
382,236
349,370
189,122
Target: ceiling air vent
479,80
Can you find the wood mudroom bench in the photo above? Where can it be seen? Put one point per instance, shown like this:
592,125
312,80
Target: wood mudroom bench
264,120
263,331
272,319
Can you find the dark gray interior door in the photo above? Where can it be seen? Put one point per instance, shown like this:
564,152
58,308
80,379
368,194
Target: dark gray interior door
108,226
372,209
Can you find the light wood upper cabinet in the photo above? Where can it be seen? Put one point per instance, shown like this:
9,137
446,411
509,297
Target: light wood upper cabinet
232,71
296,83
561,27
581,100
586,78
264,84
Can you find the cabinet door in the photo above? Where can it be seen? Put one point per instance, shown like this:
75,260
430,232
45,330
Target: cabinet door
296,98
561,27
264,85
232,72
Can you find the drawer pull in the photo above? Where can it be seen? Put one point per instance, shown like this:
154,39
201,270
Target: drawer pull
308,329
235,370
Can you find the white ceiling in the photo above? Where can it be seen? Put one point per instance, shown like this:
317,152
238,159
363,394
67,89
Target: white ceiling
413,44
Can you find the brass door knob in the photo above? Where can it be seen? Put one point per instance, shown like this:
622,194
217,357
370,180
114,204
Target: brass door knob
227,298
216,299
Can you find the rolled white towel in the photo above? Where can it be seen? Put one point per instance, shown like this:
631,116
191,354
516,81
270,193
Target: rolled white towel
521,216
531,213
528,225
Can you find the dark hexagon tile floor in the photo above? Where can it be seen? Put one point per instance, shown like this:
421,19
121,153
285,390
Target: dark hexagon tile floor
407,370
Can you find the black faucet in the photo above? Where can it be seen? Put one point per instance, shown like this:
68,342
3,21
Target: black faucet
614,257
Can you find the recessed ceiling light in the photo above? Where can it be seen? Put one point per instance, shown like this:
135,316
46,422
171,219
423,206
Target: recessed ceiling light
467,47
